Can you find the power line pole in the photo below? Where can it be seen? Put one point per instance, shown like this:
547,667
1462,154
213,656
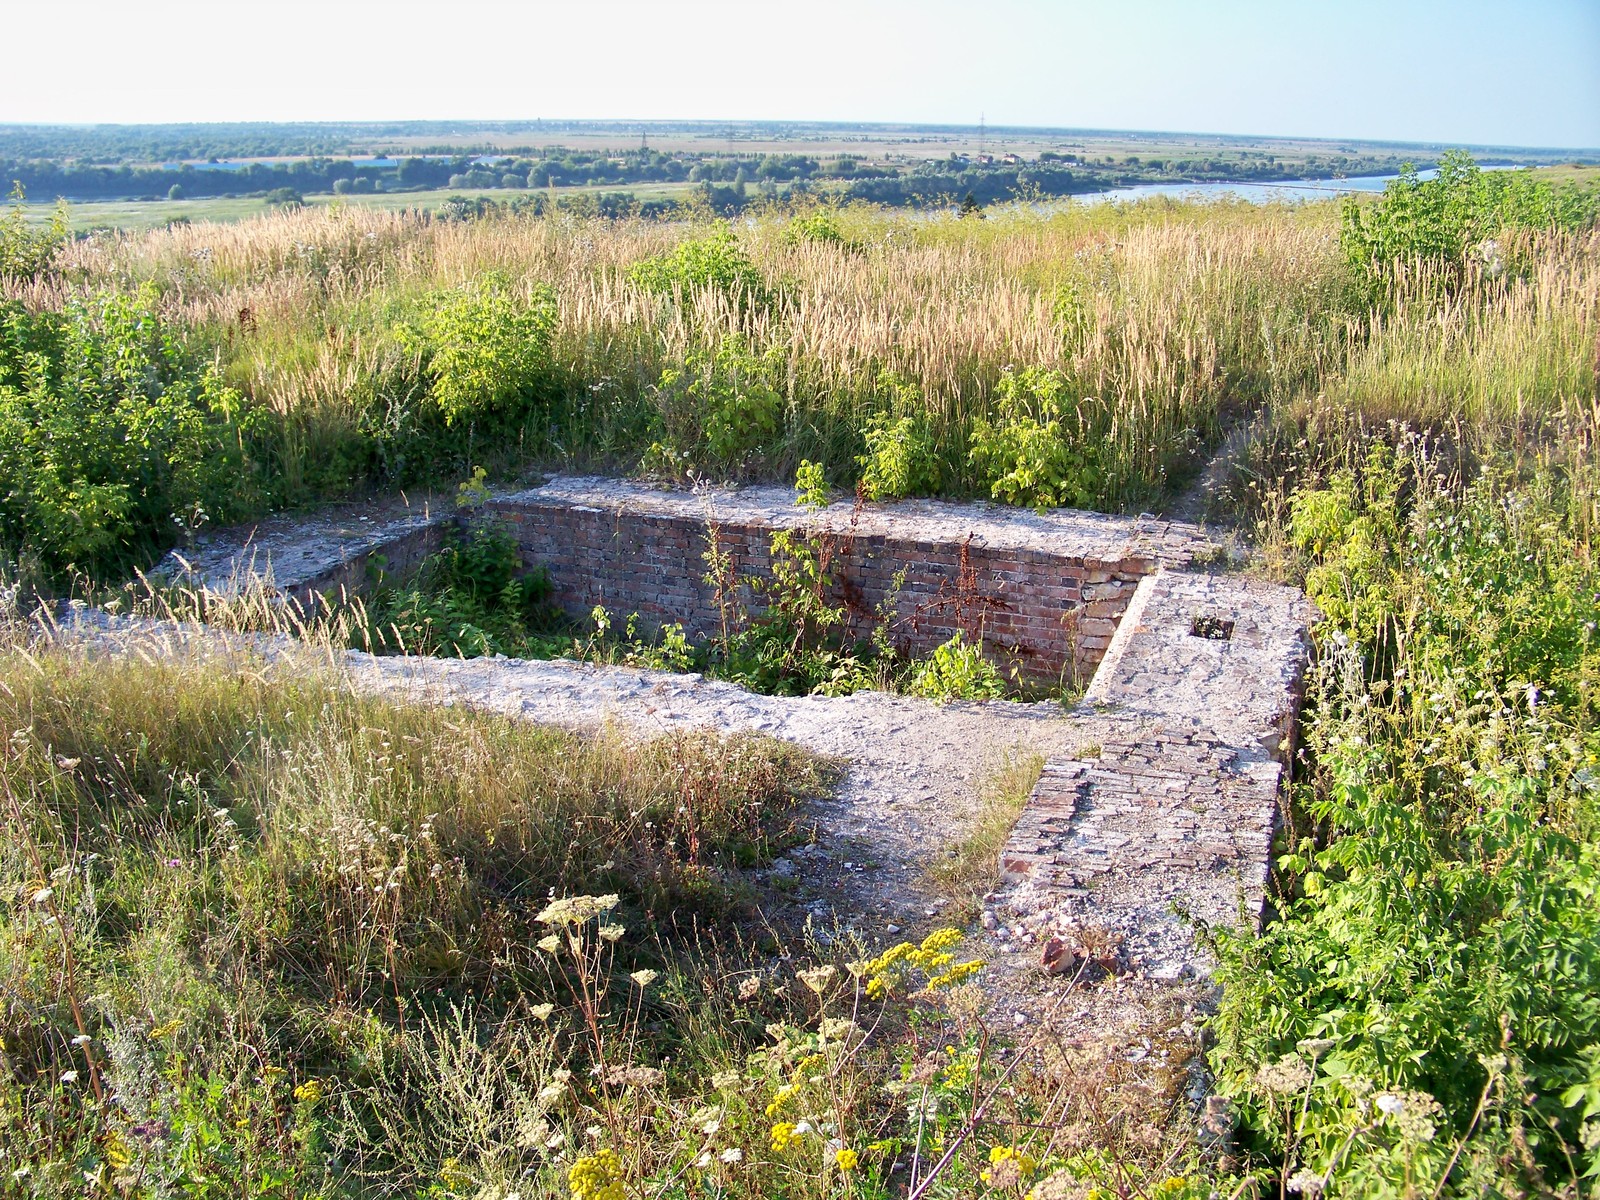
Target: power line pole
983,132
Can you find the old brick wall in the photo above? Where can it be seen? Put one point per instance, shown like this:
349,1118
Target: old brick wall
1048,604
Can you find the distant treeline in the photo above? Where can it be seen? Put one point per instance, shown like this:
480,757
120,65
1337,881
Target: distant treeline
47,179
729,176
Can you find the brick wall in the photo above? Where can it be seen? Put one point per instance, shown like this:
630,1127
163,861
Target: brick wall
1051,612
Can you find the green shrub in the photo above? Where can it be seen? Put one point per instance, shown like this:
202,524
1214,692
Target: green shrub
484,348
715,262
957,670
1038,449
116,438
725,408
817,228
1448,220
901,459
26,252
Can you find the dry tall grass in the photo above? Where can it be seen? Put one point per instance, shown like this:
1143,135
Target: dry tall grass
1173,321
1183,317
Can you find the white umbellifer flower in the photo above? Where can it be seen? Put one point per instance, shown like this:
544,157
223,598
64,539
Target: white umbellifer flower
703,1161
1390,1104
1306,1183
42,896
643,978
69,1077
731,1155
83,1039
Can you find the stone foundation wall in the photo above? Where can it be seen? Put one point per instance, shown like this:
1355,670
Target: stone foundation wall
1045,591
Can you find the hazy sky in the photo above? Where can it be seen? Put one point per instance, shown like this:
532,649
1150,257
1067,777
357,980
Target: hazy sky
1523,72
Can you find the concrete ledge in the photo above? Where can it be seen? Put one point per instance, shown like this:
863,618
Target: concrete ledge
1178,806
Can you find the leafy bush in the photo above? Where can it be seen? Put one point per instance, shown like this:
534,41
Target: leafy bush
1035,450
957,670
901,459
725,408
715,262
484,348
25,252
115,437
1449,219
816,228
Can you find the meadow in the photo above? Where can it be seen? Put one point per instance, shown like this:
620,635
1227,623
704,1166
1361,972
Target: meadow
376,968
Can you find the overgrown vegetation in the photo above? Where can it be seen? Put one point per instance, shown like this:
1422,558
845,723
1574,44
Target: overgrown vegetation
1413,386
1421,1018
1092,357
268,938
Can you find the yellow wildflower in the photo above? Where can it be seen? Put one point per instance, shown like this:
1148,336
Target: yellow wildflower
781,1097
783,1135
1008,1168
847,1159
597,1176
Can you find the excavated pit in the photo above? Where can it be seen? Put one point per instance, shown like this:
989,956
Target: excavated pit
1159,796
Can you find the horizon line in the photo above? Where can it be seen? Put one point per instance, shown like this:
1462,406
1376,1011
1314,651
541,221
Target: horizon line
755,122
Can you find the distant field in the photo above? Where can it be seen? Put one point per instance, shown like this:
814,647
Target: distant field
150,214
1570,173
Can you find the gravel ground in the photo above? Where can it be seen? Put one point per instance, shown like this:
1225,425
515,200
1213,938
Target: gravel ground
913,776
914,770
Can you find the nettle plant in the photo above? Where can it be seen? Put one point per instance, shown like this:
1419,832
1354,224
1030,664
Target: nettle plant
901,457
723,410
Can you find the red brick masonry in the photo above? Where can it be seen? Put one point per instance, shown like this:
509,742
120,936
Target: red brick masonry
1044,590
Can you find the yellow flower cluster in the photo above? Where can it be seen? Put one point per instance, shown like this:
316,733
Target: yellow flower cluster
894,968
783,1136
781,1097
309,1092
1008,1167
847,1159
597,1176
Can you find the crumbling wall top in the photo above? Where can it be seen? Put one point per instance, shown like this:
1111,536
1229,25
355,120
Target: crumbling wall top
1092,537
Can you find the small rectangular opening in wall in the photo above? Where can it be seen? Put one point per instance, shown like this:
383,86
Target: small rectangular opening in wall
1211,627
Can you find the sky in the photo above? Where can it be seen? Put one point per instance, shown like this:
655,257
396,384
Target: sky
1518,72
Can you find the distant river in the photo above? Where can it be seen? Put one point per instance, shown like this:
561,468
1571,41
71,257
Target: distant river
1286,191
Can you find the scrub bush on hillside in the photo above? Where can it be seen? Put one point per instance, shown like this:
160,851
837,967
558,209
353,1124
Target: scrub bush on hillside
1429,1002
116,438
